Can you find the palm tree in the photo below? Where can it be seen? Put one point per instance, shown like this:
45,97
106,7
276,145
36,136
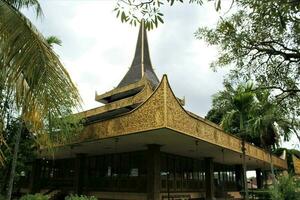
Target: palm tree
33,78
240,101
51,40
268,122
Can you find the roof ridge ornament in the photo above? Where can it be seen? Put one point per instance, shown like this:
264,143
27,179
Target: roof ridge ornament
142,50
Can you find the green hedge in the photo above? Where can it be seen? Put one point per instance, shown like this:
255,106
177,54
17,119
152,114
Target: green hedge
37,196
81,197
286,188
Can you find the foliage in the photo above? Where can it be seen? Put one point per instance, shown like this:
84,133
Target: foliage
34,80
26,154
241,102
264,121
81,197
35,88
133,11
286,188
229,104
37,196
51,40
261,41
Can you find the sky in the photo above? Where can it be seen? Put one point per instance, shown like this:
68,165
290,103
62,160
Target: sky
97,49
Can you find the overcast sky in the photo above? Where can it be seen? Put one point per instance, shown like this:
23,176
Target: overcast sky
98,49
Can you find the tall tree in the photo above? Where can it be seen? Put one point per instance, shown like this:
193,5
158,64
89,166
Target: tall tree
268,123
225,113
263,122
25,155
260,38
239,104
33,77
261,41
34,81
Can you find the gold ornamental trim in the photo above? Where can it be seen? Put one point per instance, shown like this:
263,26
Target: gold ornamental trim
296,163
136,99
126,88
163,110
182,121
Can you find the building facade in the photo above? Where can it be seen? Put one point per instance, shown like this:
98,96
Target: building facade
143,144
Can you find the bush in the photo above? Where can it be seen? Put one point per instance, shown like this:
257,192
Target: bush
81,197
34,197
285,189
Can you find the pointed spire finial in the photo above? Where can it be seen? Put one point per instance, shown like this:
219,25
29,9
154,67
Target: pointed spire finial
141,64
142,48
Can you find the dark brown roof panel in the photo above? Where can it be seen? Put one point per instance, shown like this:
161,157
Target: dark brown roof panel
141,64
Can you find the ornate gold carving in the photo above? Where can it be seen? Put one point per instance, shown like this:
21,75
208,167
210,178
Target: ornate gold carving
138,98
162,109
180,120
138,84
147,116
296,163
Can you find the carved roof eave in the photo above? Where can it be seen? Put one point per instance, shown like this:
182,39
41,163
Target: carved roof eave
119,90
163,110
136,99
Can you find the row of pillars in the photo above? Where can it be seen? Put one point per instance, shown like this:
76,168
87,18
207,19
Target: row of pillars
153,175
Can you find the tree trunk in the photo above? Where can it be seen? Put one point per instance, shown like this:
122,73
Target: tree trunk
246,195
272,167
14,162
4,180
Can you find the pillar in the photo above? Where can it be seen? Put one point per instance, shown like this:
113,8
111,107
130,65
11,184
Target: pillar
153,172
35,182
239,177
265,178
79,173
259,178
209,178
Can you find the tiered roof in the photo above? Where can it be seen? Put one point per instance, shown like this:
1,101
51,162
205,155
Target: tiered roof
146,109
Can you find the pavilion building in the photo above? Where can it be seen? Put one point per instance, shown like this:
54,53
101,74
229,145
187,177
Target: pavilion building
143,144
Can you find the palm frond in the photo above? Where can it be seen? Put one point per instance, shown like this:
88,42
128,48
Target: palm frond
33,71
19,4
228,119
51,40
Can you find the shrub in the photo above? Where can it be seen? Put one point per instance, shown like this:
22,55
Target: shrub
285,189
81,197
37,196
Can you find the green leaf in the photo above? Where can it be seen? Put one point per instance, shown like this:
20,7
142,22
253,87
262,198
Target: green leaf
160,19
172,2
218,5
123,16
